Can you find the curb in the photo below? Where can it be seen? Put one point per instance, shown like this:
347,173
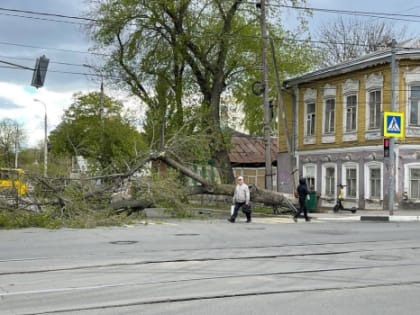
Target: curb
391,218
377,218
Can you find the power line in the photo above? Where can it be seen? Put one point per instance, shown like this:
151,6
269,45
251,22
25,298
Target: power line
42,19
49,14
51,62
52,48
396,16
352,12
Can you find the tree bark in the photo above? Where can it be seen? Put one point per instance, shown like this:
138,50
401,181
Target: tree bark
258,195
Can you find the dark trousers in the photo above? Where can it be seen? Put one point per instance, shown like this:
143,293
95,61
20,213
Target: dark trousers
338,205
245,209
302,208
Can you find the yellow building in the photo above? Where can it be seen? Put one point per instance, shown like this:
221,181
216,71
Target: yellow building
335,121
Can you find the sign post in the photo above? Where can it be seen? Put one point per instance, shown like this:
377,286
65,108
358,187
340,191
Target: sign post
393,128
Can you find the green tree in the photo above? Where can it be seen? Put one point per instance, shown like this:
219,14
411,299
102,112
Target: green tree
11,137
101,135
184,55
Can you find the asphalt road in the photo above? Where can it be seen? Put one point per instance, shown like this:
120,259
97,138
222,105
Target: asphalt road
213,267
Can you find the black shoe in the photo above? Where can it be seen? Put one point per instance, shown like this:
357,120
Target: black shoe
231,220
308,220
295,219
248,221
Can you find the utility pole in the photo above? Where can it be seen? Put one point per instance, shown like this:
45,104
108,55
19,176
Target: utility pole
391,187
267,110
282,111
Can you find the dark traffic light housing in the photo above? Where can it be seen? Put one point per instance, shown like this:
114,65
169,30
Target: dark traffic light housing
386,147
40,71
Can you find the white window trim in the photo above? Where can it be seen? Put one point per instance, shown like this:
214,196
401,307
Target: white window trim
324,173
411,78
350,88
309,97
344,177
407,168
324,116
373,82
329,92
305,172
306,119
368,166
408,108
368,107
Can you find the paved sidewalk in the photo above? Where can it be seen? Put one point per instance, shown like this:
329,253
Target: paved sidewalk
369,215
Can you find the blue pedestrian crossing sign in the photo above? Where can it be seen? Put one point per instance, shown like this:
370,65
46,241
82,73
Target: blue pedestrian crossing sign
393,124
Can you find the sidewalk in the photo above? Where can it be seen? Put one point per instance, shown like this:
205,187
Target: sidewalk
368,215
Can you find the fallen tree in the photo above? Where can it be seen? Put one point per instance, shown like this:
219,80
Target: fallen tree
130,203
258,195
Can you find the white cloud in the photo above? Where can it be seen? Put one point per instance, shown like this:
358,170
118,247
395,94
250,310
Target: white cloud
30,114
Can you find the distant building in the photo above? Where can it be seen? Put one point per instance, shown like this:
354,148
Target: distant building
247,157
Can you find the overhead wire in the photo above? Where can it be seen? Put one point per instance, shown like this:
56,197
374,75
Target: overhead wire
62,16
84,19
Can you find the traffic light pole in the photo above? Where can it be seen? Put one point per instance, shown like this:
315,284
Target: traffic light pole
391,184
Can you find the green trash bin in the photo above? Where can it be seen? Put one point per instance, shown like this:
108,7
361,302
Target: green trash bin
311,201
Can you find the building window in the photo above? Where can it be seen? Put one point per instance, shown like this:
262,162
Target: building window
351,182
375,183
310,119
373,180
329,123
350,179
374,107
309,172
351,113
415,106
330,181
414,183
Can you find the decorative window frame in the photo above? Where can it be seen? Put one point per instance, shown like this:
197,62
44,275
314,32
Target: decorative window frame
406,188
310,169
324,173
411,78
309,97
368,166
373,81
346,166
350,88
329,92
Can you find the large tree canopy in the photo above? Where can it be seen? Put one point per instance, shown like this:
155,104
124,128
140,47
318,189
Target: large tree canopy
180,57
101,135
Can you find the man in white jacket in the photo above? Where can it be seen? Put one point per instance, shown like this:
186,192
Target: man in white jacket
241,199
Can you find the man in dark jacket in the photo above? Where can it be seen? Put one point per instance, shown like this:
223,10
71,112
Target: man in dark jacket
302,192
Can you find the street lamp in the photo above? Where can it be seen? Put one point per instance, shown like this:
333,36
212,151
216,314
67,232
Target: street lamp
45,137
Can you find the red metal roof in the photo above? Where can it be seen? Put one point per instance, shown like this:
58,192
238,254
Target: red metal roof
248,149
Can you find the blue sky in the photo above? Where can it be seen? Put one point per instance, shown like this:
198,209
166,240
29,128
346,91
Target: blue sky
23,39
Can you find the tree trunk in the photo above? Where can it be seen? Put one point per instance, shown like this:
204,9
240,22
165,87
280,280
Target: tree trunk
266,197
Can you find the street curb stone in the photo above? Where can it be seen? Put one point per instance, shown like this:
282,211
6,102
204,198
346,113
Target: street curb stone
375,218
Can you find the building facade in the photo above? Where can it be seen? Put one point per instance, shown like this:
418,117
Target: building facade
336,118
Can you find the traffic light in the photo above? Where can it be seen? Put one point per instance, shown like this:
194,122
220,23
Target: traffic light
40,71
386,147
